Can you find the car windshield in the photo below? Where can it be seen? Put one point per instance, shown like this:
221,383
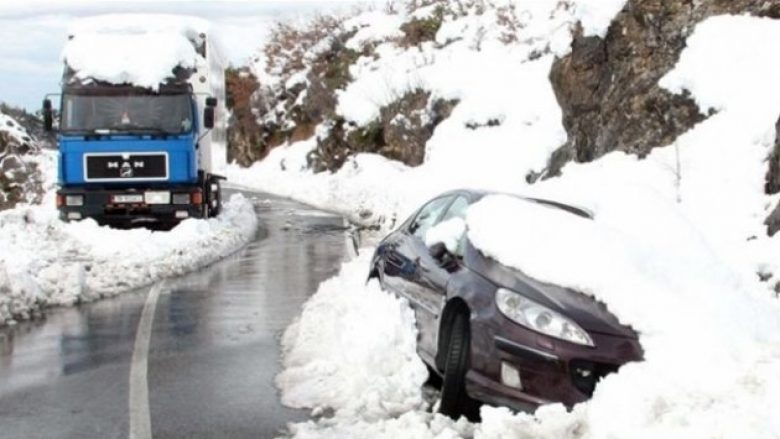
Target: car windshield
170,114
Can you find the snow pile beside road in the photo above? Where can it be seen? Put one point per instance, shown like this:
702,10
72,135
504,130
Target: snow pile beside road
352,353
44,262
330,351
141,50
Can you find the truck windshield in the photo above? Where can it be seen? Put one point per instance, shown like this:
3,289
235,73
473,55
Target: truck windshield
169,114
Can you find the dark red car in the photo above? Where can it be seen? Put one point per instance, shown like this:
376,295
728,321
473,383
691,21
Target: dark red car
492,333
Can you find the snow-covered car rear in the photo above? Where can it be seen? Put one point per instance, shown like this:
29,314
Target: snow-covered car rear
493,333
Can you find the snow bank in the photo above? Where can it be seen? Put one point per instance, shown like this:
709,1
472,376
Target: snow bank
44,262
352,352
330,352
133,49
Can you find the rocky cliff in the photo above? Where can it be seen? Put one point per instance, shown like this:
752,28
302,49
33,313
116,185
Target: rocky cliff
20,177
608,88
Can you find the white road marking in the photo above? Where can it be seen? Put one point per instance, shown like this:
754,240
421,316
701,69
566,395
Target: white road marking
140,418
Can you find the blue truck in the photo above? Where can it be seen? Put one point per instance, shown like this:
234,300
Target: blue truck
131,155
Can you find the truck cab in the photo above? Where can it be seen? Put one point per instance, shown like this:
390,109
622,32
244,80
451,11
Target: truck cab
131,155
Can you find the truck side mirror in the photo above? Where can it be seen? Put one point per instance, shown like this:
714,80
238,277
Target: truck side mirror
48,115
208,117
208,113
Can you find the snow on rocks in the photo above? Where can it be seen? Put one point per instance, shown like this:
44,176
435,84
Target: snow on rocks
596,17
373,26
14,129
44,262
141,50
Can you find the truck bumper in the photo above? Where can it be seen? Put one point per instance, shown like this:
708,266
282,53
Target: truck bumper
128,207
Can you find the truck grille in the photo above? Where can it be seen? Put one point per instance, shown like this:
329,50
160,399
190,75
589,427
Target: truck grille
125,167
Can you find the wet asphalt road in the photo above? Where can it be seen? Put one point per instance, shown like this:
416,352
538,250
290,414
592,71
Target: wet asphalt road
213,346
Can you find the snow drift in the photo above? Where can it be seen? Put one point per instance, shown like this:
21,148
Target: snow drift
44,262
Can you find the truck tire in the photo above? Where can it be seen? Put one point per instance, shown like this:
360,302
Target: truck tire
454,400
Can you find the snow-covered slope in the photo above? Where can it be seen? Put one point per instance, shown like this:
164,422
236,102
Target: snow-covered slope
685,224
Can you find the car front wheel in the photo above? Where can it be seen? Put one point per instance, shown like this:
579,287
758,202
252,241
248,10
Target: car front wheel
454,400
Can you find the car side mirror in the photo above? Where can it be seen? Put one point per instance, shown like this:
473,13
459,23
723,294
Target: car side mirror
438,251
443,256
48,115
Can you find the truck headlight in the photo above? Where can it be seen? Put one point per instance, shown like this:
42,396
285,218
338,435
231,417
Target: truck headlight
157,197
539,318
74,200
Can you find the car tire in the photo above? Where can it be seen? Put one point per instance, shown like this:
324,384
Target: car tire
454,400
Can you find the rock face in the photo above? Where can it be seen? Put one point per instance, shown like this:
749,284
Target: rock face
773,183
400,133
266,116
608,88
244,133
20,179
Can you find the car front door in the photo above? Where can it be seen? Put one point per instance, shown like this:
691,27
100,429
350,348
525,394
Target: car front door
411,272
439,277
434,276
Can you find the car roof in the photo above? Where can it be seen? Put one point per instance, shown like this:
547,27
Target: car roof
476,195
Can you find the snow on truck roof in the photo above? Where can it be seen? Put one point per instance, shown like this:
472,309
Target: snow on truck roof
141,50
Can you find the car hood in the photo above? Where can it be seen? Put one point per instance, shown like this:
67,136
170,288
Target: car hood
589,313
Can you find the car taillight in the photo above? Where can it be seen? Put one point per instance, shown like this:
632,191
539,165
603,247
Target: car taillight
60,200
197,198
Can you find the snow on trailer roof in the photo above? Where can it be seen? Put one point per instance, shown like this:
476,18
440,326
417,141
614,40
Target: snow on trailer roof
138,49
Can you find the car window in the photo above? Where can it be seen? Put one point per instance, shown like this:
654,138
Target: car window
458,210
428,216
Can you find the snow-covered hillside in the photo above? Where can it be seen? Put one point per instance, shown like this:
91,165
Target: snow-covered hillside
684,224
